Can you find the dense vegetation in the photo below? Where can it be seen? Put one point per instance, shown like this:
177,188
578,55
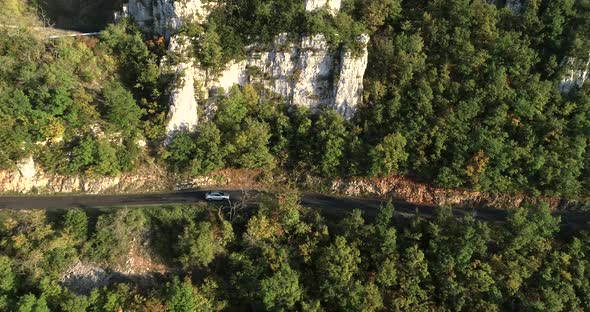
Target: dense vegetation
280,257
78,105
459,93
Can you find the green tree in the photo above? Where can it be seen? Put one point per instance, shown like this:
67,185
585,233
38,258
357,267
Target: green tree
181,296
300,151
208,149
410,294
106,162
199,244
328,138
15,112
114,236
281,290
137,65
251,146
76,224
29,303
376,13
387,156
180,152
82,155
7,282
208,48
75,303
528,240
338,265
121,109
231,111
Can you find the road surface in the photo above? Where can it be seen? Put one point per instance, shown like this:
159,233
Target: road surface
327,203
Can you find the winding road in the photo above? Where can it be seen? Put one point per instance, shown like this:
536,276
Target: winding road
334,205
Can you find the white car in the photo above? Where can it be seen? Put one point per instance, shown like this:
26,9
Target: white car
216,196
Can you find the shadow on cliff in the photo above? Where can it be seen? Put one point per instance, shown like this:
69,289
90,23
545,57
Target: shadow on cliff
79,15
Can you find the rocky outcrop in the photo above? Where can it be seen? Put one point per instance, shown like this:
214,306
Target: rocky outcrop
403,189
82,278
576,75
27,178
165,17
308,74
275,69
314,73
348,92
332,5
183,113
26,167
305,72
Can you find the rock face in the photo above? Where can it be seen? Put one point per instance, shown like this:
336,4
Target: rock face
26,167
82,278
420,193
275,69
332,5
348,92
27,179
183,113
305,72
576,75
315,72
165,17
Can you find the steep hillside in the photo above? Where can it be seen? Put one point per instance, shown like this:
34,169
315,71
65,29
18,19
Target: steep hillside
479,94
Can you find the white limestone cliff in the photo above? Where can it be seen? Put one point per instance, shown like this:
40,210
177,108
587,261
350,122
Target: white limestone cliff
26,167
183,113
276,68
283,59
304,72
348,92
234,73
576,75
165,17
332,5
314,73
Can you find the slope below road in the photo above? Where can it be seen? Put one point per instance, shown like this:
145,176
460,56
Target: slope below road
327,203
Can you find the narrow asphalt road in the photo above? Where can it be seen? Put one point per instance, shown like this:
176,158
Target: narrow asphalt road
326,203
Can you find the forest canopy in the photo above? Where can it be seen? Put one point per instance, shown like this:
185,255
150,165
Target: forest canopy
279,256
